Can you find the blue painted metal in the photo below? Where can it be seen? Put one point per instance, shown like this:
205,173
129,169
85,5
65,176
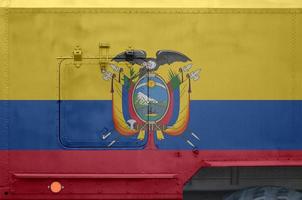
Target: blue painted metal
219,124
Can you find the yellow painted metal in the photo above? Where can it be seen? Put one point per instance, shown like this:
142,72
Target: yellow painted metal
244,53
159,3
3,53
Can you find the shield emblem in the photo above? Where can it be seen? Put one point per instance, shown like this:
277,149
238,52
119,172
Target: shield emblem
153,105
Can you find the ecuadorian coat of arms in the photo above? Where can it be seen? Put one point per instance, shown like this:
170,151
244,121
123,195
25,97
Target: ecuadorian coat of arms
151,96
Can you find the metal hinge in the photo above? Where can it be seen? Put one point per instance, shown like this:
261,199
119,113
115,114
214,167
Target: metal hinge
104,56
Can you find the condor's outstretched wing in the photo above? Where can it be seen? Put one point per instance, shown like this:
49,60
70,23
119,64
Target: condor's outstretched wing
133,57
169,57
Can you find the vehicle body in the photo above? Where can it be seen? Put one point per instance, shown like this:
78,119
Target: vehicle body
230,97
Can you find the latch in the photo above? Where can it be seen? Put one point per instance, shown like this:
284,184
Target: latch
77,56
104,56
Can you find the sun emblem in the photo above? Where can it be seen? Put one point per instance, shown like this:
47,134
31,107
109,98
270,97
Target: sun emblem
151,83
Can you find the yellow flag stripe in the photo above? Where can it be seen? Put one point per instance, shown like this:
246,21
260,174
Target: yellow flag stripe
245,55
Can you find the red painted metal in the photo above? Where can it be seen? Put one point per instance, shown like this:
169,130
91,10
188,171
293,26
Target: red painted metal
93,176
112,174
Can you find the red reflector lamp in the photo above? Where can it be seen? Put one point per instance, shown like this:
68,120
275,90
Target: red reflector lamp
56,187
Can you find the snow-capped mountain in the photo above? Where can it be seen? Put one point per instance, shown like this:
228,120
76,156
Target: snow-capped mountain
144,99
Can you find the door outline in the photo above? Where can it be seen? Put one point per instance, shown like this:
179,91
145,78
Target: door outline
62,117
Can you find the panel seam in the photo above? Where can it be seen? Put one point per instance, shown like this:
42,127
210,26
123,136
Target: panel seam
159,10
